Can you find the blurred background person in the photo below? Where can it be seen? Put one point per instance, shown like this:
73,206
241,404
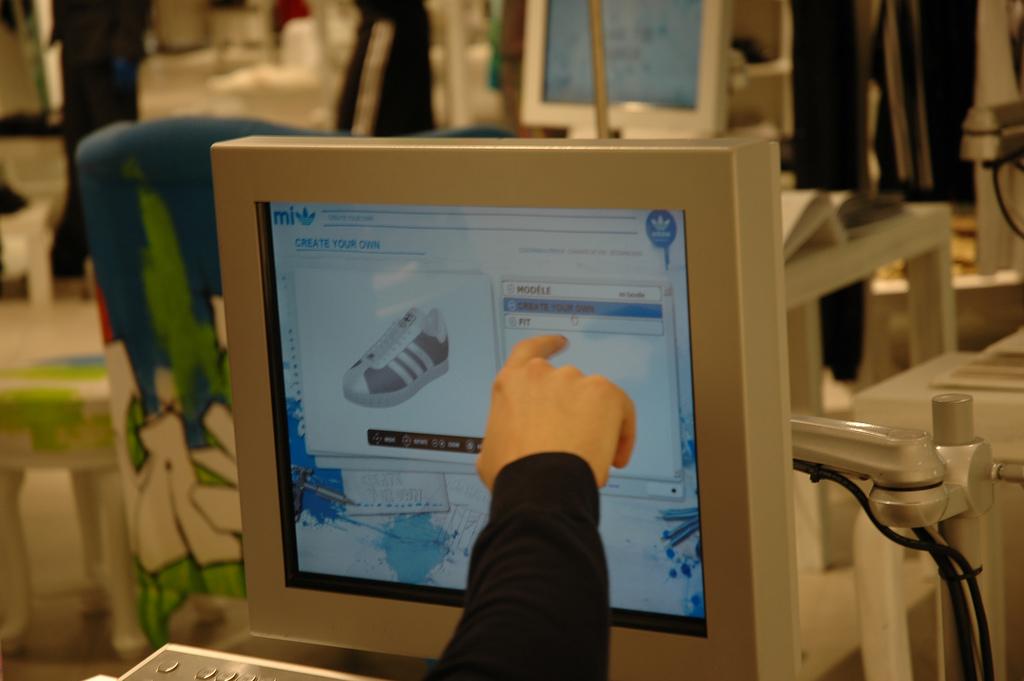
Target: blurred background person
102,47
387,85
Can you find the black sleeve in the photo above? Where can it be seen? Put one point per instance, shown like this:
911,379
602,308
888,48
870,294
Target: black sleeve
537,599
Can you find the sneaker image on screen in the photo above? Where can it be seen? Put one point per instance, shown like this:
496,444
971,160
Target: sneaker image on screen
411,353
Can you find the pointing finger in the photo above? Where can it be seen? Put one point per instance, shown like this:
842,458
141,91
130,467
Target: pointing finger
627,432
541,347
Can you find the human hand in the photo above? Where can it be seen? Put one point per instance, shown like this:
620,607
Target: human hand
126,72
536,408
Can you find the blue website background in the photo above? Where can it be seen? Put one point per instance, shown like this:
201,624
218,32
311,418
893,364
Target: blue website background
652,52
389,493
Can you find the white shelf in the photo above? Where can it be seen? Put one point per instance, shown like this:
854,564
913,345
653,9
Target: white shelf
961,282
770,69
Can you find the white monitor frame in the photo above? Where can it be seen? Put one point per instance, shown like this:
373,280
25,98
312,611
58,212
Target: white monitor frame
633,119
729,191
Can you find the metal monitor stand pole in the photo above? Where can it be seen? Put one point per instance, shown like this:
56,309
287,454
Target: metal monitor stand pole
600,75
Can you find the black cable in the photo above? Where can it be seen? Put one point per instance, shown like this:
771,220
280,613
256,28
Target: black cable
968,575
984,635
956,593
1010,219
946,553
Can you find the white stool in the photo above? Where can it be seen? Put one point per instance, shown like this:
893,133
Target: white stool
76,438
101,517
27,239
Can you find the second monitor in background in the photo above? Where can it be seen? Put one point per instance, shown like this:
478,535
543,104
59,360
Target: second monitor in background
666,62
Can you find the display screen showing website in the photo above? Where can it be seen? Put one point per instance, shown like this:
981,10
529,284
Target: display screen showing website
393,322
652,52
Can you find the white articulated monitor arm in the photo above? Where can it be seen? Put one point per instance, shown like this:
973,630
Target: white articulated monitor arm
917,481
905,470
892,457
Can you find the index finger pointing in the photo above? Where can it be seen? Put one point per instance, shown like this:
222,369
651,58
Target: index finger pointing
627,432
538,346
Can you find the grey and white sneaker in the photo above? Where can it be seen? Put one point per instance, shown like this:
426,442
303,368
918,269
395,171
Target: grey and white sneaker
410,354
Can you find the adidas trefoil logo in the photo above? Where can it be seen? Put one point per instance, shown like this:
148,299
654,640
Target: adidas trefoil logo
660,224
305,217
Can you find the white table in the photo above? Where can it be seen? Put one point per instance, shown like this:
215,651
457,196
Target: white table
920,235
905,400
82,446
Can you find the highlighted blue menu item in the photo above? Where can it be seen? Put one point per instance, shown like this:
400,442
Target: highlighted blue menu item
586,308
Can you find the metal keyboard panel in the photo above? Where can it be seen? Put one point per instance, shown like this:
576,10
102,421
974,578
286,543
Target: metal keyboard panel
183,663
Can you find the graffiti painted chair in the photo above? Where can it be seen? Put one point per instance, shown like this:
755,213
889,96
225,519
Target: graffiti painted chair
148,198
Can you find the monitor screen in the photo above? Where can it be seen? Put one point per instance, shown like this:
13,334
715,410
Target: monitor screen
386,327
652,52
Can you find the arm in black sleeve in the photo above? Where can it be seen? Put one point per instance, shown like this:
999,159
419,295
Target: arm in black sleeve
537,600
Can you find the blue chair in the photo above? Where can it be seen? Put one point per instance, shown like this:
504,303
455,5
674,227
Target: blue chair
149,210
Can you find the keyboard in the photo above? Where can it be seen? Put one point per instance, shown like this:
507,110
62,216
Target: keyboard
183,663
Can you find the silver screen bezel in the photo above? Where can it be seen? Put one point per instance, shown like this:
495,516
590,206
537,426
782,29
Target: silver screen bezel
729,191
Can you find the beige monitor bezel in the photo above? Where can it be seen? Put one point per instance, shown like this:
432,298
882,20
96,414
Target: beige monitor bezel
729,191
634,119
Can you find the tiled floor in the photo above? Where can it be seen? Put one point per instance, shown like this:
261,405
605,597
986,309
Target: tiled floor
178,85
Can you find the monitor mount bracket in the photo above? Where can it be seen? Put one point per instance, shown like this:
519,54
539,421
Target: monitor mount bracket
993,137
918,480
993,133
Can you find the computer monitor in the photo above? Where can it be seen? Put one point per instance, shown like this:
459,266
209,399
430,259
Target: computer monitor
666,62
374,287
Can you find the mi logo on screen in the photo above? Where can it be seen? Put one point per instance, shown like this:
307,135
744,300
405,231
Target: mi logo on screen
292,217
